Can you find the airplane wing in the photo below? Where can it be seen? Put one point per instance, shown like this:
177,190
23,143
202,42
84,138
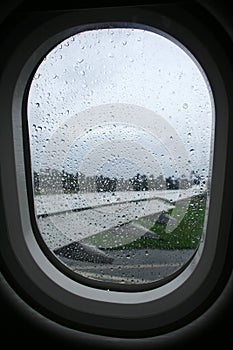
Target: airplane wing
67,218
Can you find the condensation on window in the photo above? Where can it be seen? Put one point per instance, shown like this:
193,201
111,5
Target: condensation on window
121,124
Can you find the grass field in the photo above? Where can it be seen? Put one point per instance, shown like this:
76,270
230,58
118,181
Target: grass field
186,235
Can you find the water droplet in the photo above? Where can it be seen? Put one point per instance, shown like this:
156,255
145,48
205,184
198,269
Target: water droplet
185,106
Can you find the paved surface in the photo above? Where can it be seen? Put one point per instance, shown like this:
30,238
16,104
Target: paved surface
133,266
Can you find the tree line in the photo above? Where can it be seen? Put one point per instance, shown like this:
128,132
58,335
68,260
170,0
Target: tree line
53,181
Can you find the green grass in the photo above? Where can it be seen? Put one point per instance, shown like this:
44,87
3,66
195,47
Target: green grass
186,235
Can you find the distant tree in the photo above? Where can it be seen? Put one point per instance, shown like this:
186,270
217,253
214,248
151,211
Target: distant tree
105,184
144,183
196,177
172,183
69,182
140,182
136,182
113,185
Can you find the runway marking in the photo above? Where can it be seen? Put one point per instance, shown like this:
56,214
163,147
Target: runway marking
85,271
117,278
118,267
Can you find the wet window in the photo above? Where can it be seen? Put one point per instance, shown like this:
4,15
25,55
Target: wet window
121,127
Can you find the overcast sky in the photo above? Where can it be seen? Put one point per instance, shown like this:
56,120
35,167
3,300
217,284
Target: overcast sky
120,101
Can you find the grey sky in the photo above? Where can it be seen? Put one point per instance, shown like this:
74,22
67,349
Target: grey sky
82,79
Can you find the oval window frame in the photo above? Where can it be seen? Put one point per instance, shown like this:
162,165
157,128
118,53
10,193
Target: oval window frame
59,264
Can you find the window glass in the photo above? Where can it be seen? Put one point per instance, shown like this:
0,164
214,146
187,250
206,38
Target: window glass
121,127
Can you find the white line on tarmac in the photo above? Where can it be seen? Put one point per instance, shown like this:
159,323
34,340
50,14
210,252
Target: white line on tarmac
136,266
116,278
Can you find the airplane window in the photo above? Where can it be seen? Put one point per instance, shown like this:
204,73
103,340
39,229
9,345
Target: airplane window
121,123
